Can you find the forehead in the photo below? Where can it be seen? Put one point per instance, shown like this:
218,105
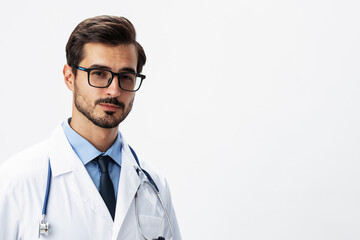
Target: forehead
115,57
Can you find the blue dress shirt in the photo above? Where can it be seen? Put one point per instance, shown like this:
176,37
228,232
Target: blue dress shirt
87,152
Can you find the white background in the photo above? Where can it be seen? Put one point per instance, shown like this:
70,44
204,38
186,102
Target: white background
250,108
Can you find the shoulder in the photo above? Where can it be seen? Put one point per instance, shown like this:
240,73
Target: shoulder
25,165
27,158
155,173
31,162
157,176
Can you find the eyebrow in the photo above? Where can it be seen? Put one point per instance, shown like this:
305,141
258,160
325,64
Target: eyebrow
126,69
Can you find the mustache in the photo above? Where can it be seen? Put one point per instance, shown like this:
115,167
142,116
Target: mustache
111,101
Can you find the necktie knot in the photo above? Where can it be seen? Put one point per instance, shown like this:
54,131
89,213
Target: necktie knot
103,162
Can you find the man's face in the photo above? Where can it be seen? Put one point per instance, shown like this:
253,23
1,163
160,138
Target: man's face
104,107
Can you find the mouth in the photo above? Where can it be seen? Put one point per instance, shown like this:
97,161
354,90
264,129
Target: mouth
110,104
110,107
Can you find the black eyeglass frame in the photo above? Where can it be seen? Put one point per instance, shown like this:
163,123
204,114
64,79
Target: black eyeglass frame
88,70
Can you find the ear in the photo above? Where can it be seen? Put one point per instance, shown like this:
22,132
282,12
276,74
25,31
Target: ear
69,77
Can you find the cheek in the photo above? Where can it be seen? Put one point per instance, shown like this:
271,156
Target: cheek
131,100
84,96
126,97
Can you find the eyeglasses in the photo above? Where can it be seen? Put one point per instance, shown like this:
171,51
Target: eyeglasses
102,78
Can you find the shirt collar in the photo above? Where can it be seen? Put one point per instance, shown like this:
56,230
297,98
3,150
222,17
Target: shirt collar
86,151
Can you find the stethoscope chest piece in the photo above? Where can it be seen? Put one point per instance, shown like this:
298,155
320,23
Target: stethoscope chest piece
43,227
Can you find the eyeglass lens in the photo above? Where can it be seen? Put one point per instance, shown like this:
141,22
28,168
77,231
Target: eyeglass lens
101,78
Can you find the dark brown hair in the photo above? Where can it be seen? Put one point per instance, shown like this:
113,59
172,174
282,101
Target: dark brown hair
105,29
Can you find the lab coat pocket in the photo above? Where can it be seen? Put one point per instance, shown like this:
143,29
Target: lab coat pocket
151,227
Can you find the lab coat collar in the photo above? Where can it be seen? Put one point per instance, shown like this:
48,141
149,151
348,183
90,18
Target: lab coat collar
64,160
85,150
61,153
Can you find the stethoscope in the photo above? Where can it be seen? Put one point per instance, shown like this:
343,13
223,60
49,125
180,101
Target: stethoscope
44,225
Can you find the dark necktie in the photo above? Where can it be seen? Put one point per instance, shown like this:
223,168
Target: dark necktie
106,187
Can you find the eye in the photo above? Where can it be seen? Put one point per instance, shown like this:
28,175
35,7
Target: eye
99,73
127,77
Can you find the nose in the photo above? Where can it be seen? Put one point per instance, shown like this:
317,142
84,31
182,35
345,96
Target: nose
113,90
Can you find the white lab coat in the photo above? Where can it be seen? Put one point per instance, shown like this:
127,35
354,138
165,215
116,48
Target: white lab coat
75,208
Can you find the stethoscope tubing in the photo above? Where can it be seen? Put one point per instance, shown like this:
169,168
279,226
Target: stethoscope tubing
151,182
156,191
48,184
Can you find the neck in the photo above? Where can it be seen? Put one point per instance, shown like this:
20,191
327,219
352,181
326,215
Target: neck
101,138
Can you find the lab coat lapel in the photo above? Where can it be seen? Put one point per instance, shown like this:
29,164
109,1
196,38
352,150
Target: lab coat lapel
65,164
128,185
62,157
84,188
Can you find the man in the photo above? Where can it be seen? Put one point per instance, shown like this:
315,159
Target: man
85,177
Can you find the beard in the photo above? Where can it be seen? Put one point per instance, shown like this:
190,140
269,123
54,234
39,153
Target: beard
107,121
